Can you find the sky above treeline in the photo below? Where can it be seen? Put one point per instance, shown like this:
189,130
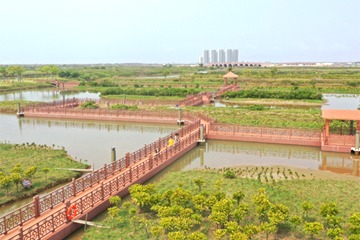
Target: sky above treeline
174,31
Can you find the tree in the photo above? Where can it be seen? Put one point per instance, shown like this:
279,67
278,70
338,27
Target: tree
240,212
306,206
30,172
262,204
5,182
238,196
334,233
177,236
114,200
50,70
199,183
113,212
328,209
144,195
16,179
313,228
197,236
16,71
181,197
165,73
296,220
4,72
354,221
239,236
268,228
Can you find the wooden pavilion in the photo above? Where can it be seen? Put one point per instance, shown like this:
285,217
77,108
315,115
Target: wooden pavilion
230,75
337,142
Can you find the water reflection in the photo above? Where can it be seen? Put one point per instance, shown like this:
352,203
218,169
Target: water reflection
341,101
218,154
46,95
84,140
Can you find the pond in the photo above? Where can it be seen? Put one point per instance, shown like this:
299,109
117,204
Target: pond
46,95
91,141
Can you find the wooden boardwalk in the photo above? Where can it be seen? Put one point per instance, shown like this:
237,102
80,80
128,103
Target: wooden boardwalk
45,217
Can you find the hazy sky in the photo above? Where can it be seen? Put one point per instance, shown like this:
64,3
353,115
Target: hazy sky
177,31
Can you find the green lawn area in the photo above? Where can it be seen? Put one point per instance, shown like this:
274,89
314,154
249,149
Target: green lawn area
238,203
18,159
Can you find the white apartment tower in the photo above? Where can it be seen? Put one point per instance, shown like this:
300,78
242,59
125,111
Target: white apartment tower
235,55
229,55
214,56
206,57
201,60
221,56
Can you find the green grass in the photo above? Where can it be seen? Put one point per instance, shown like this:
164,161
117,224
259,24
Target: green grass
40,156
269,117
287,186
12,106
19,86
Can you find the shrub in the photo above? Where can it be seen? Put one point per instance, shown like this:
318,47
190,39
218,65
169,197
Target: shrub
229,174
89,105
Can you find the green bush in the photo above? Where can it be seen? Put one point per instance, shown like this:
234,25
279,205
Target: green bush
123,107
229,174
298,94
89,105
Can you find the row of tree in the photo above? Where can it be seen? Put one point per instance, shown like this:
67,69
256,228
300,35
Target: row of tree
181,92
296,93
181,214
17,71
17,175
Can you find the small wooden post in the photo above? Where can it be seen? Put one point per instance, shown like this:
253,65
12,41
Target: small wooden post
36,206
113,154
127,160
73,187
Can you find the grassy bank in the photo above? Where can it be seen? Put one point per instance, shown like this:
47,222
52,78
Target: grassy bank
263,116
18,161
20,86
12,106
239,203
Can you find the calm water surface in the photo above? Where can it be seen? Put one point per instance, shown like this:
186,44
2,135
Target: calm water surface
91,141
45,95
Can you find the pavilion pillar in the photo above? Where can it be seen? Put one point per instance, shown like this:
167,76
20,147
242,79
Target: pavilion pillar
358,125
327,130
225,81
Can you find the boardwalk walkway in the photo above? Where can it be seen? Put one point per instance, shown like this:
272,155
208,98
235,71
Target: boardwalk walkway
46,218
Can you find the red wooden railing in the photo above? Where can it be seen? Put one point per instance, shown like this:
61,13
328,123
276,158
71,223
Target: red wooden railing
130,167
284,133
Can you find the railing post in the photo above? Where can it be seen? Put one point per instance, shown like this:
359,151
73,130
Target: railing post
130,175
67,205
36,206
102,191
21,235
73,187
151,162
105,171
127,160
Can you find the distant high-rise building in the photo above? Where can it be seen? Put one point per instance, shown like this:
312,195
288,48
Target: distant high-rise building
221,56
235,55
228,55
214,56
206,57
201,60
